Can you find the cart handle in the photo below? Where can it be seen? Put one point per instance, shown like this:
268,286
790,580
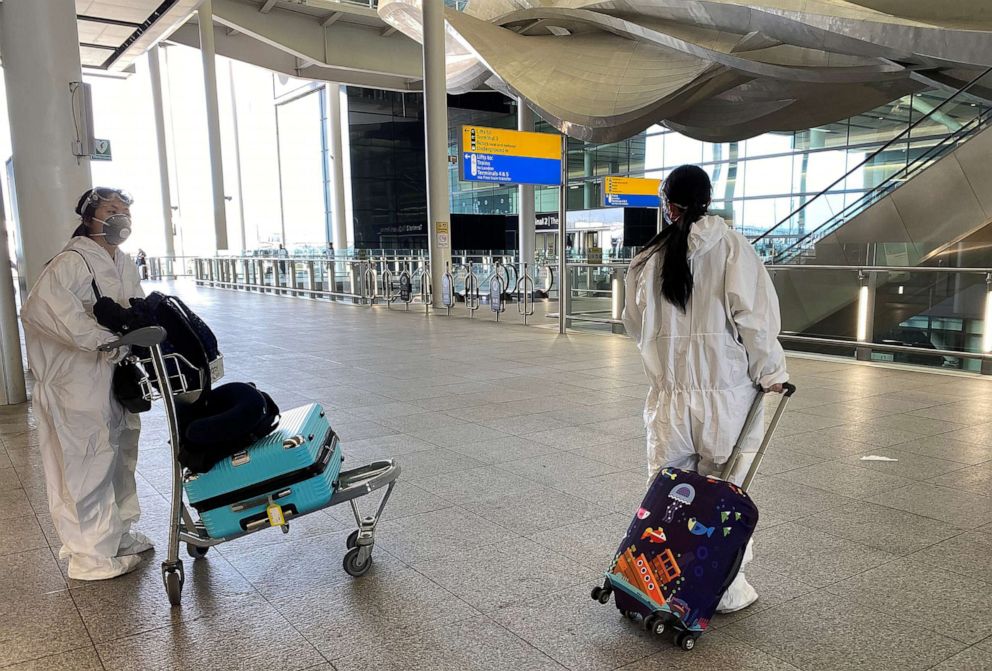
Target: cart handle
149,336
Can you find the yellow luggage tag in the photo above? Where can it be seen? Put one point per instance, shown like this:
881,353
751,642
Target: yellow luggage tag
274,511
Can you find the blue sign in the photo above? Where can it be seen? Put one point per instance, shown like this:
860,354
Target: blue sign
630,200
510,169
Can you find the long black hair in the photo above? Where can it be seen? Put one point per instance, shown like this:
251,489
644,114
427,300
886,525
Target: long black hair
688,188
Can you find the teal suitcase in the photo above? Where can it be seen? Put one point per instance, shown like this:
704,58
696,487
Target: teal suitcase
290,472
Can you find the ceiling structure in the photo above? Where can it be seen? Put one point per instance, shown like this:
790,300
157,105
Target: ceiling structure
716,70
112,33
342,41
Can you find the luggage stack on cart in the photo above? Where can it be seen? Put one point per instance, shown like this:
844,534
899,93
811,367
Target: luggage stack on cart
267,482
686,544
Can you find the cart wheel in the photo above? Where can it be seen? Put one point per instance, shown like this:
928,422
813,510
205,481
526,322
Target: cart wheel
352,539
597,591
630,615
196,552
352,566
686,641
604,596
173,585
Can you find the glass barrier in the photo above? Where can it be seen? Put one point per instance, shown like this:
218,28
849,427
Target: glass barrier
931,317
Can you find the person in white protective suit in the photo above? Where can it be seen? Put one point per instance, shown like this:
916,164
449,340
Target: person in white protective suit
89,443
705,316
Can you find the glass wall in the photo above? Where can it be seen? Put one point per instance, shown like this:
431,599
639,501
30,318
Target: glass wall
388,173
301,171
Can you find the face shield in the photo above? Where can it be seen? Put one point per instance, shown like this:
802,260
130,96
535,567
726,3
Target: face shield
103,194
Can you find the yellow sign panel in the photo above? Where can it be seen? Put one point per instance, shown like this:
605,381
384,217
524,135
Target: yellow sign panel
634,186
504,142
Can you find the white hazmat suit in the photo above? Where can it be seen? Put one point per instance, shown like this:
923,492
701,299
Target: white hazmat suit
703,364
89,443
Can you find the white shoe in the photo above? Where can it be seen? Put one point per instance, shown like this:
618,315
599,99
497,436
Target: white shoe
82,567
134,542
738,596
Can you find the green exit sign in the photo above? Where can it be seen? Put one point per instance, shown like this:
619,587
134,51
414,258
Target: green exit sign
101,150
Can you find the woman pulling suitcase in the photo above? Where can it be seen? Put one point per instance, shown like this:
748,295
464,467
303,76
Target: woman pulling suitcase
705,316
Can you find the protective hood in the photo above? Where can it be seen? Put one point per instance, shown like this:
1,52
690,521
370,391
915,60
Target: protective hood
705,234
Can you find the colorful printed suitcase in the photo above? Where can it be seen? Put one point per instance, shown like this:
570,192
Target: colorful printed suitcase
686,544
290,472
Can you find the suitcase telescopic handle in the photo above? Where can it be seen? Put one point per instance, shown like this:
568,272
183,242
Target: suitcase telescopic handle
788,389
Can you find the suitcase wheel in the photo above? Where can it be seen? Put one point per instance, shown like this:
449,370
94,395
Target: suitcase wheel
686,641
601,594
654,625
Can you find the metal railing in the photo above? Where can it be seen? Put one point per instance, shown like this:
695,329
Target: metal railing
867,311
803,242
372,281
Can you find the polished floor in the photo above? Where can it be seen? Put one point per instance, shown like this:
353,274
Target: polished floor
523,458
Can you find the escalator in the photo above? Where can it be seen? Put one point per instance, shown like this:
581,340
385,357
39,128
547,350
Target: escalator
934,213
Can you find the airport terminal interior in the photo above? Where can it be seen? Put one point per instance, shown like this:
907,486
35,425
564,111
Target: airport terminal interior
423,216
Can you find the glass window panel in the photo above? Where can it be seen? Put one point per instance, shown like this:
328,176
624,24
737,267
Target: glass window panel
680,150
301,164
654,152
770,143
769,177
823,168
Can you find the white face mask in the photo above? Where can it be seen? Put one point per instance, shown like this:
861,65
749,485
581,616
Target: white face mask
116,229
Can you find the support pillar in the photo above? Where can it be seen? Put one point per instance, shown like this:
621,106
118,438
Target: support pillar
40,45
436,123
335,131
12,388
243,235
587,186
155,72
205,18
526,228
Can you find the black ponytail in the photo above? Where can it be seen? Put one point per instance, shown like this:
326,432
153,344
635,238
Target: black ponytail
687,187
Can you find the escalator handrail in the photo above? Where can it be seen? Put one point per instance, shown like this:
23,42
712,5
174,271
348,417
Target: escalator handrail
879,191
875,153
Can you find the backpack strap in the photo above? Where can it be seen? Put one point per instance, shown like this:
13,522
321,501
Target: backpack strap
96,289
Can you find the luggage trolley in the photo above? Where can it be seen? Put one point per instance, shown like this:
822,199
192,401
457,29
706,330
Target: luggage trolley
348,487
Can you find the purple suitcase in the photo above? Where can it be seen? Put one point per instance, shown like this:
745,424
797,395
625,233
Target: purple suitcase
686,543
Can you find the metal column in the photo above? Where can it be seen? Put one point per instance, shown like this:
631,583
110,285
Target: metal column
564,297
205,19
12,389
526,229
436,123
155,71
340,228
237,156
40,45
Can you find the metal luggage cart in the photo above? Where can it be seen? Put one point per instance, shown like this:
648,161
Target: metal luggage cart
350,486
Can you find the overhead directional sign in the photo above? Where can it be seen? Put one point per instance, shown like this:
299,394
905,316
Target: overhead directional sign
509,156
631,192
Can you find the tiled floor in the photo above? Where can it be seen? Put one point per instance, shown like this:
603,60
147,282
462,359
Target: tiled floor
523,459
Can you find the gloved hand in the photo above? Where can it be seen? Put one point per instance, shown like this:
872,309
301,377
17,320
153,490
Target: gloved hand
110,315
115,356
119,319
